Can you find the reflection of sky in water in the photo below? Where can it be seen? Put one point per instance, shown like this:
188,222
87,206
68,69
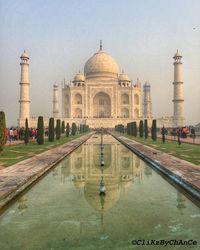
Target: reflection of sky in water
64,210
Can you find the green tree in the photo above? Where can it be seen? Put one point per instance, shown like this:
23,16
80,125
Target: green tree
2,130
154,130
26,134
40,131
63,127
58,129
81,128
51,130
129,128
134,129
67,130
146,132
74,128
141,128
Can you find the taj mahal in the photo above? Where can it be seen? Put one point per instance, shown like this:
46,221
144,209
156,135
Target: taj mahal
101,96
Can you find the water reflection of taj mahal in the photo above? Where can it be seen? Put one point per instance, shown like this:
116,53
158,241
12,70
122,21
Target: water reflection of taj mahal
121,167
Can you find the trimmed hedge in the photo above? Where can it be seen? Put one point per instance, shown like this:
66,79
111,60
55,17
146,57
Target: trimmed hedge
154,130
146,132
67,130
40,131
51,130
2,130
141,128
26,134
58,129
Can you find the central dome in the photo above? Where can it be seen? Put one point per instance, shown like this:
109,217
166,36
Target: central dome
101,64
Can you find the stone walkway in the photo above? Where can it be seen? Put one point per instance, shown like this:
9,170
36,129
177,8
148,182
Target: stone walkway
183,173
16,178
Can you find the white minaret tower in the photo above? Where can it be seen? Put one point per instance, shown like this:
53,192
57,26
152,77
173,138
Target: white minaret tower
24,108
178,92
55,101
147,104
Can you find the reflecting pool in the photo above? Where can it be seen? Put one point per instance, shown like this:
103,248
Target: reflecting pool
65,211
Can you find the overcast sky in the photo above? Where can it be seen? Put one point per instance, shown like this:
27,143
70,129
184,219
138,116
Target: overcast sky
61,35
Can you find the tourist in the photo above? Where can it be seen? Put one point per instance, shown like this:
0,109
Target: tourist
15,134
7,134
11,135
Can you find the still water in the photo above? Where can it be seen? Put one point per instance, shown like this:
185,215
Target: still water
65,211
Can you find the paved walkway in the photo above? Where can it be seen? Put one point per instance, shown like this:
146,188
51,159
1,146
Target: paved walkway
183,173
16,178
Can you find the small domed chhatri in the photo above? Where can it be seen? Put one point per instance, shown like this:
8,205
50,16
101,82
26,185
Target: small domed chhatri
79,77
177,55
101,64
24,55
124,77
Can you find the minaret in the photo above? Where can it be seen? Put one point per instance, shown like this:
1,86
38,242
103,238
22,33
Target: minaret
24,108
178,92
55,101
147,104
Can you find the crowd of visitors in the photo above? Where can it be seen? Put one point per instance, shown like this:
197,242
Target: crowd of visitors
16,134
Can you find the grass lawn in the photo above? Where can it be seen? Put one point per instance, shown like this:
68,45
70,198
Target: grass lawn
185,151
15,153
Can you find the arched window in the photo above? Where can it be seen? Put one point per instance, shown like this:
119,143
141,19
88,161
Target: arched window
125,113
101,101
125,99
101,105
78,113
136,99
136,113
78,99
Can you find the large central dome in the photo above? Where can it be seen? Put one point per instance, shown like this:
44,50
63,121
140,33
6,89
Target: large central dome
101,64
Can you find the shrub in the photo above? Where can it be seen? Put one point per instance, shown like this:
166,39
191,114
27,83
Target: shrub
134,129
74,128
58,130
26,134
40,131
141,128
63,127
51,130
146,132
67,130
154,130
2,130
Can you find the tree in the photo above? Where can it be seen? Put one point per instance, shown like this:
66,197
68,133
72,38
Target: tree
141,128
58,132
40,131
146,132
134,129
81,128
74,128
63,127
163,132
26,135
2,130
131,128
51,130
154,130
67,130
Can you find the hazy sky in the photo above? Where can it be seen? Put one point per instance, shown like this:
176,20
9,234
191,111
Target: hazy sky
61,35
